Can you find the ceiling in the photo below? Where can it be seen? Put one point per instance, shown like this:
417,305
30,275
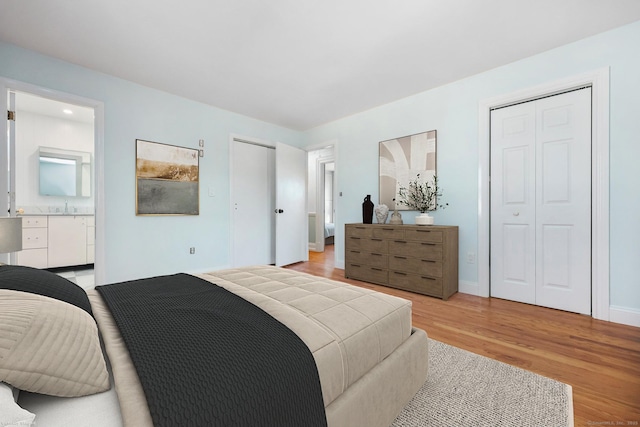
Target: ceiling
301,63
51,108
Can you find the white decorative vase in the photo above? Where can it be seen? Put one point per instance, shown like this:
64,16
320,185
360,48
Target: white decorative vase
424,219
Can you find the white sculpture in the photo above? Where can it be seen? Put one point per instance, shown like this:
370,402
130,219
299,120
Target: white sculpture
381,211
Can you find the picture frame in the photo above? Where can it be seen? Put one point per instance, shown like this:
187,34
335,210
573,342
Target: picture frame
167,179
401,160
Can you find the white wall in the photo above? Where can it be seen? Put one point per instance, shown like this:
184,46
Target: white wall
139,246
33,131
453,111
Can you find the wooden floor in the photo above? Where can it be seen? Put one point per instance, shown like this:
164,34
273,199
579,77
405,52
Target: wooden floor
600,360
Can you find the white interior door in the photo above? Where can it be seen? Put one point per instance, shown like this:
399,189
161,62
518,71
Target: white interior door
541,202
513,203
563,213
291,202
253,199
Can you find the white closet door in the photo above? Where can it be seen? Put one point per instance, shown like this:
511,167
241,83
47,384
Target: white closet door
253,203
563,200
513,138
541,202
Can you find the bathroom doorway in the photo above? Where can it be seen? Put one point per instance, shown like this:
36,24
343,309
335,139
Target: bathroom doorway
53,156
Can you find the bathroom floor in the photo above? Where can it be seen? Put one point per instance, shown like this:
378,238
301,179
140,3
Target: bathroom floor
83,278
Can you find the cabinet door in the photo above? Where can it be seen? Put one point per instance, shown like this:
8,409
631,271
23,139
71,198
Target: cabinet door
67,241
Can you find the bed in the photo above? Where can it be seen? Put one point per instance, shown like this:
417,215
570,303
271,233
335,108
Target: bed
329,233
369,360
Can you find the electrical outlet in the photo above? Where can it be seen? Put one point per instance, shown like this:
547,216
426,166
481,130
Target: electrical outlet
471,257
192,251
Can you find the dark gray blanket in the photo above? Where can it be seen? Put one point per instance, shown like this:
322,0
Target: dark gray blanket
206,357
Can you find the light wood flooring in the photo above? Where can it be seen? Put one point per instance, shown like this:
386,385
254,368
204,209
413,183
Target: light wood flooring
600,360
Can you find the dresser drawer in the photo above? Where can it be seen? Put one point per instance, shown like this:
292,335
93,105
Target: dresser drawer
424,234
367,245
416,283
368,258
415,265
424,250
388,232
358,231
34,221
366,273
33,238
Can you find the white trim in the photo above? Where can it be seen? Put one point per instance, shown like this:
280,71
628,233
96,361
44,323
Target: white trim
599,81
624,315
466,287
98,126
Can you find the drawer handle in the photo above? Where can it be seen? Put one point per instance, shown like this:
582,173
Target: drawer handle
423,231
399,273
356,265
387,229
355,252
374,254
428,260
399,257
354,238
399,241
377,240
376,269
428,278
428,244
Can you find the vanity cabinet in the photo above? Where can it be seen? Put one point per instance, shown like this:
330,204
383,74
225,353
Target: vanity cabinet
57,241
67,241
34,242
421,259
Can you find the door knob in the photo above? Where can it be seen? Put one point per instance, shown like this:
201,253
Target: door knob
516,213
279,211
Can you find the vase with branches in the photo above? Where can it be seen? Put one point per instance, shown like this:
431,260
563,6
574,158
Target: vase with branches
423,197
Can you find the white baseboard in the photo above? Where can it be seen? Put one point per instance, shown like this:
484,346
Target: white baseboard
471,288
624,315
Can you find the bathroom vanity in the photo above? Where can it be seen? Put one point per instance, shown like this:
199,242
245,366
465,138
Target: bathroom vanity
58,240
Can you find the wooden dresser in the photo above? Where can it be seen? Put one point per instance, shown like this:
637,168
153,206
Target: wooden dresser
422,259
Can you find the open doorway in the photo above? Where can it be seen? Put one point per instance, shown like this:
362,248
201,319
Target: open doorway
51,151
321,201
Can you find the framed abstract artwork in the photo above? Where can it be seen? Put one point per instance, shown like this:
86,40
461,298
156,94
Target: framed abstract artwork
401,160
167,179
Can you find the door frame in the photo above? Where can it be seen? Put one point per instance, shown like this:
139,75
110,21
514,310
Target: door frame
321,162
599,81
333,143
7,85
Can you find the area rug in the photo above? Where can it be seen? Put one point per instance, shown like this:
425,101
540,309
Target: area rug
466,389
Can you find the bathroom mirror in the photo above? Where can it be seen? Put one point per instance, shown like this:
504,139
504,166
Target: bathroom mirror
64,173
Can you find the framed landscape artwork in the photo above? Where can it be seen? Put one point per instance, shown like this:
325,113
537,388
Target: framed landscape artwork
167,179
401,160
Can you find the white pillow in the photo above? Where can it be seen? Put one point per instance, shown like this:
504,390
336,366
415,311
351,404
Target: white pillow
12,415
